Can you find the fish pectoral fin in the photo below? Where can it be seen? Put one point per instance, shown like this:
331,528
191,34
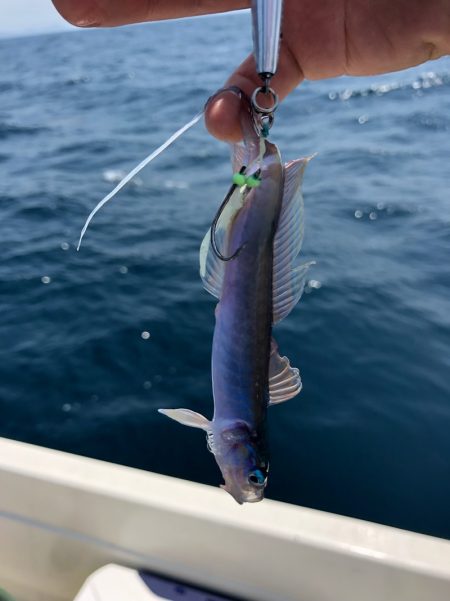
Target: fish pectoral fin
284,380
187,418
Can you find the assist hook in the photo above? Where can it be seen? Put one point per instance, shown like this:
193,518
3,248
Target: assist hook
225,201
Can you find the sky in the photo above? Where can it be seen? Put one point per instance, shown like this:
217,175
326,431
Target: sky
25,17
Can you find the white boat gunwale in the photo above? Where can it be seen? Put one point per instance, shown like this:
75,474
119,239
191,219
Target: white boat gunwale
196,533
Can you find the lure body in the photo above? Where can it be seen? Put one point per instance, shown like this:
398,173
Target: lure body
261,228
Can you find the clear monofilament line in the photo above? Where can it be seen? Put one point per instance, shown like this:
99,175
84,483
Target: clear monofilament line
136,170
262,150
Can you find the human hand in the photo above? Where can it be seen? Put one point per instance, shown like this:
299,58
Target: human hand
321,38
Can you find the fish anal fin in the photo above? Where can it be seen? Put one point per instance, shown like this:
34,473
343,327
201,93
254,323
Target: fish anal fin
288,280
288,290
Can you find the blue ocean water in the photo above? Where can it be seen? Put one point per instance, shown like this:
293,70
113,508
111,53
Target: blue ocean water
369,435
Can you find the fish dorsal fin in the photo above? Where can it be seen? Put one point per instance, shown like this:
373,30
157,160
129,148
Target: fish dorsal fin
212,269
284,380
289,282
187,418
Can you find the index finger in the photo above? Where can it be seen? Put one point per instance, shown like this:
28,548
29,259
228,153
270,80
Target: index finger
110,13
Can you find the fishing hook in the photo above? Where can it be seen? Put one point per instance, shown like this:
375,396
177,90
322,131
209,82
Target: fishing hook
225,201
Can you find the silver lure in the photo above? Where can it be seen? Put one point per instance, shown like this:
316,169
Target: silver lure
266,26
260,230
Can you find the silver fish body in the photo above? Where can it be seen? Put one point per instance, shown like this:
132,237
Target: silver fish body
262,228
242,337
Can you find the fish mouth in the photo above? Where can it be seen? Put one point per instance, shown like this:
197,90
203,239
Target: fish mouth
241,496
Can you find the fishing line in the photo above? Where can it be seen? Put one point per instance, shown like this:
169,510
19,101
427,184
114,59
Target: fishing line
138,168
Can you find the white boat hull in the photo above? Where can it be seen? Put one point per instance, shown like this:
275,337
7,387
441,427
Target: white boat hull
63,516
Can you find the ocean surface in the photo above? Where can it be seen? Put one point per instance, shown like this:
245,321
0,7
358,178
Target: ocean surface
92,343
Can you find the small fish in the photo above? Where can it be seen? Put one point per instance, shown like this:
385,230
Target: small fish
247,262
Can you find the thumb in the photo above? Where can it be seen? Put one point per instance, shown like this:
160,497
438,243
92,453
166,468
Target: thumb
222,113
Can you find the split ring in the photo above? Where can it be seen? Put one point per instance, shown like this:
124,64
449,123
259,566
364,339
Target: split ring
262,109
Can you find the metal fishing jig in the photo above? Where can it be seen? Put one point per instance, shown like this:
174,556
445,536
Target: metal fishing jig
266,20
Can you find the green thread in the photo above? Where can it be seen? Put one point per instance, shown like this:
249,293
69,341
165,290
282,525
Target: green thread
252,181
239,179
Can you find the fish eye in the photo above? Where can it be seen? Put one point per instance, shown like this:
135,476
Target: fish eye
257,478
